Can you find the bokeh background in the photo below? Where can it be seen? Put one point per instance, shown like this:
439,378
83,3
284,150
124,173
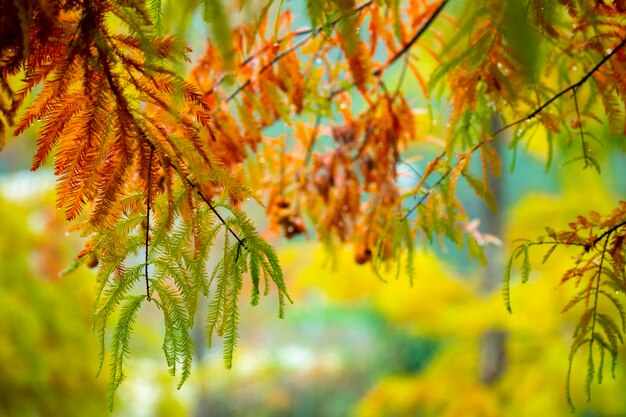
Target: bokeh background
351,344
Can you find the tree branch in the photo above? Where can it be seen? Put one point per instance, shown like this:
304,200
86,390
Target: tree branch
609,231
413,39
539,109
240,241
148,203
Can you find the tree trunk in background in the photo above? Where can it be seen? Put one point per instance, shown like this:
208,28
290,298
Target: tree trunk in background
493,354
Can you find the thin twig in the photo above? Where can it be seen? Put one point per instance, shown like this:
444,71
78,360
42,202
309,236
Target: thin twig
580,128
241,241
539,109
609,231
314,134
413,39
416,36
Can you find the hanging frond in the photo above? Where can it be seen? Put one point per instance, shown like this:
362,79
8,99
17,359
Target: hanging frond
120,342
600,260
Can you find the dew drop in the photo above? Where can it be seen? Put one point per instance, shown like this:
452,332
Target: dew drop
67,234
342,106
574,68
609,50
318,61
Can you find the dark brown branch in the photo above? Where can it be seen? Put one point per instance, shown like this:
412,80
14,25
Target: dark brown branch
413,39
609,231
493,135
241,241
572,87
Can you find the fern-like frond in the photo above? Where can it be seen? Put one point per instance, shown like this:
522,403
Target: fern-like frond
120,342
177,344
599,240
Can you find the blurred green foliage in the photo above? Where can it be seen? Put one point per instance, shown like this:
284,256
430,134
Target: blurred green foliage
48,352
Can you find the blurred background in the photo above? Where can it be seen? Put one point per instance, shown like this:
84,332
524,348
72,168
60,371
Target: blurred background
350,345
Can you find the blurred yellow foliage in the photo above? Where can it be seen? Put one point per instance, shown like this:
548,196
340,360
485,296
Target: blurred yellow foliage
450,309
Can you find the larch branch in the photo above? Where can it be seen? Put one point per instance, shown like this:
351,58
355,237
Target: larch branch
310,34
611,230
539,109
418,34
572,87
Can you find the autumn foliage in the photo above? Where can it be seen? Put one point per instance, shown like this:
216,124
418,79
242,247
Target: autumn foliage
156,162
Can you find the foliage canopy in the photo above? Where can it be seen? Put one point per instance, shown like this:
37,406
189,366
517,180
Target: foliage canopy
154,161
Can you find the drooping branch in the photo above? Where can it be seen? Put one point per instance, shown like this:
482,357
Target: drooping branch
311,33
572,87
123,105
580,129
240,241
